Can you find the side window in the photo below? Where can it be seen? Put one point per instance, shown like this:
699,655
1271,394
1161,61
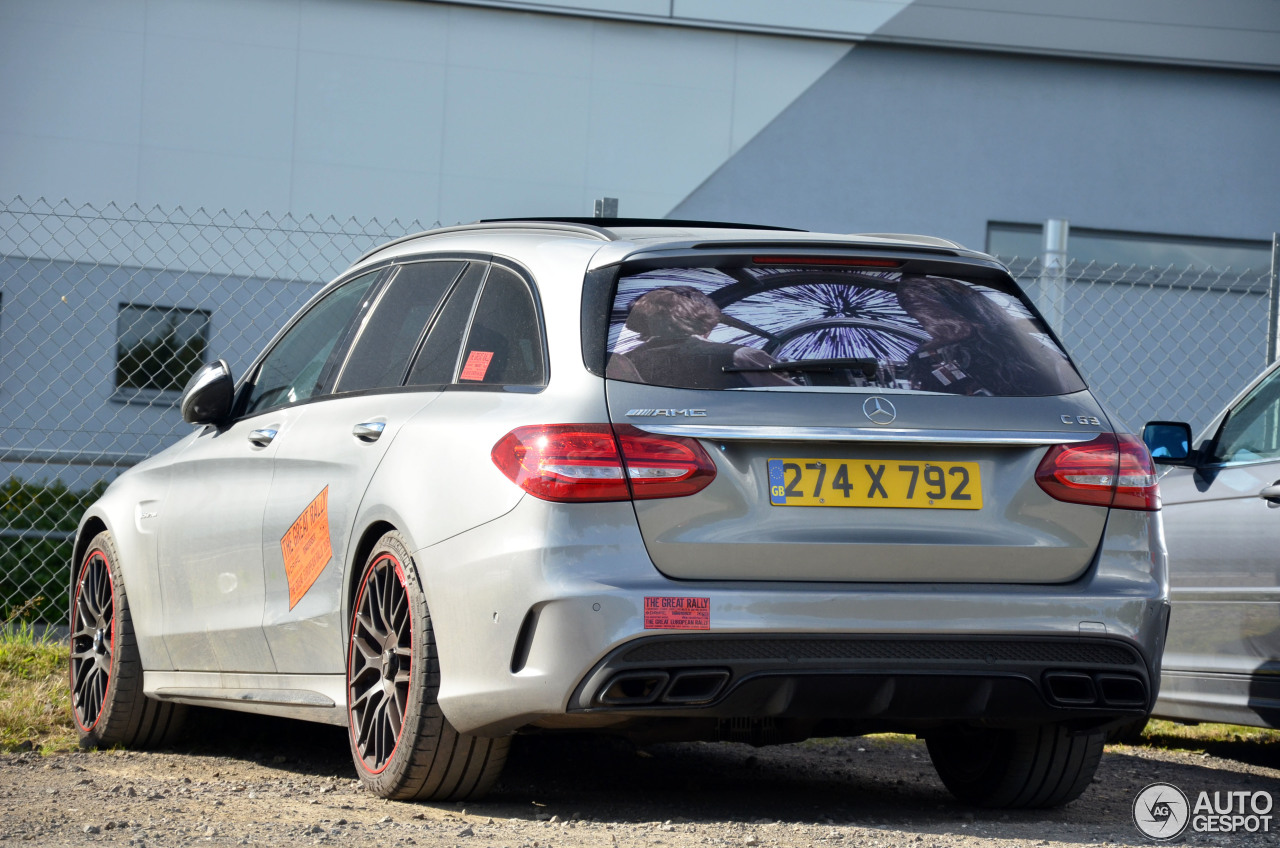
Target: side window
438,359
1252,430
390,335
295,370
504,346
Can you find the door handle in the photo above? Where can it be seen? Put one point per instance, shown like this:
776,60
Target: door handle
262,437
1271,493
369,431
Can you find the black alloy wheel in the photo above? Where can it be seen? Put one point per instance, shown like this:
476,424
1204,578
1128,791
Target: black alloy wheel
93,640
106,672
403,746
380,662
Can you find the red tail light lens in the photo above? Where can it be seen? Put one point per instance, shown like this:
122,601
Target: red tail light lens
582,463
1111,470
563,462
1136,482
663,466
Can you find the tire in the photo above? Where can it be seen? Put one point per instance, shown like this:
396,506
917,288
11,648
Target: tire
1024,768
105,674
403,746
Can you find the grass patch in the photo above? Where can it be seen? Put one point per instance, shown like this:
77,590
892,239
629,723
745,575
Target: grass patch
1257,746
35,708
1169,734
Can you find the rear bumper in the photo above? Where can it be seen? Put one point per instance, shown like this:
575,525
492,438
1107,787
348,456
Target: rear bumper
531,632
904,682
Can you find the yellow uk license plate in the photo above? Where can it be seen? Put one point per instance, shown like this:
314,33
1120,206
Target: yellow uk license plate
874,482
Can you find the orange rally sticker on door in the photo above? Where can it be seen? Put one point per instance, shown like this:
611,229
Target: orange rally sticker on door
477,364
677,613
306,547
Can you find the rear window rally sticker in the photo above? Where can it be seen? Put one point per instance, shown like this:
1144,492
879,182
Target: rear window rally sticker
677,613
306,547
477,364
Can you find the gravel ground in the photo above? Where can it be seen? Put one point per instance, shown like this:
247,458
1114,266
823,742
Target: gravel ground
255,781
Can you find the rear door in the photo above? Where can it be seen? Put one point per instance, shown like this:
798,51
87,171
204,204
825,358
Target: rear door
871,419
326,458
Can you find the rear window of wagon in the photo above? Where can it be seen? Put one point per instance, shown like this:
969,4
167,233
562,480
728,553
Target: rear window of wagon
741,325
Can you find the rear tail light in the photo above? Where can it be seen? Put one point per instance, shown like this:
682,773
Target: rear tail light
663,466
596,462
1111,470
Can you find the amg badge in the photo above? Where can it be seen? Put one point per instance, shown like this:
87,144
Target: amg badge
671,413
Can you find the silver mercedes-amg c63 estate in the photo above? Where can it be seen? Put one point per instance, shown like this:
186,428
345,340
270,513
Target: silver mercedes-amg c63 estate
669,480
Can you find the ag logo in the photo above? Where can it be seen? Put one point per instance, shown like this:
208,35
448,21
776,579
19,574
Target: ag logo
1161,811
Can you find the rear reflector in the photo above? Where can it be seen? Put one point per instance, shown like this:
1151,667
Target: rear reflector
596,462
1111,470
845,261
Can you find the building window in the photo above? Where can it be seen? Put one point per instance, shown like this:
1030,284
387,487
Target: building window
1107,248
159,348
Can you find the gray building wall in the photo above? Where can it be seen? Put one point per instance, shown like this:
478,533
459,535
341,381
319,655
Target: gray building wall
376,108
58,357
1224,33
942,142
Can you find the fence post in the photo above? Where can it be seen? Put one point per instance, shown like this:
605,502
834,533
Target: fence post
1053,272
1273,310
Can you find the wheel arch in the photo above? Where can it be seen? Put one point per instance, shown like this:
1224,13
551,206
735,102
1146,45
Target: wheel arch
368,539
90,527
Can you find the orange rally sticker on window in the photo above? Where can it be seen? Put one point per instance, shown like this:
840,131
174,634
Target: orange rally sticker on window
306,547
677,613
477,363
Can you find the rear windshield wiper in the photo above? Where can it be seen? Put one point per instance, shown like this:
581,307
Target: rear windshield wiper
868,366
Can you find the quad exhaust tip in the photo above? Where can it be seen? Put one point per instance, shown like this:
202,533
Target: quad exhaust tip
641,688
1082,689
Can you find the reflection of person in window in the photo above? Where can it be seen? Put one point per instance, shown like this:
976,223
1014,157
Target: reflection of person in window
974,346
673,323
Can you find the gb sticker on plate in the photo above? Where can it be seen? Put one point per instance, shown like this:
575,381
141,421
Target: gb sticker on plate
677,613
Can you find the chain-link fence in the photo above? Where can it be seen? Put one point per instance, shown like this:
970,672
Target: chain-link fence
105,313
1157,343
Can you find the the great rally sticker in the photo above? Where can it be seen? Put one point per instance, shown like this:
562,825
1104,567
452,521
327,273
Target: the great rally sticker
306,547
477,365
677,613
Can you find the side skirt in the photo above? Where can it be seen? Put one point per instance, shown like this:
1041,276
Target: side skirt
309,697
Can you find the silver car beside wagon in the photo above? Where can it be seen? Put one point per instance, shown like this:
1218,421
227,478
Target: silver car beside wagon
670,480
1222,507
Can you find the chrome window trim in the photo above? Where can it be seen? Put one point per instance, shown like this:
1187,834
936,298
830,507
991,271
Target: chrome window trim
861,434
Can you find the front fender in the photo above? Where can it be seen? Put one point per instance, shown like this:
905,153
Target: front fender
129,510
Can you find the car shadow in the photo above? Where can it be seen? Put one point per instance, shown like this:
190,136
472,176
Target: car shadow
302,747
877,781
607,778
